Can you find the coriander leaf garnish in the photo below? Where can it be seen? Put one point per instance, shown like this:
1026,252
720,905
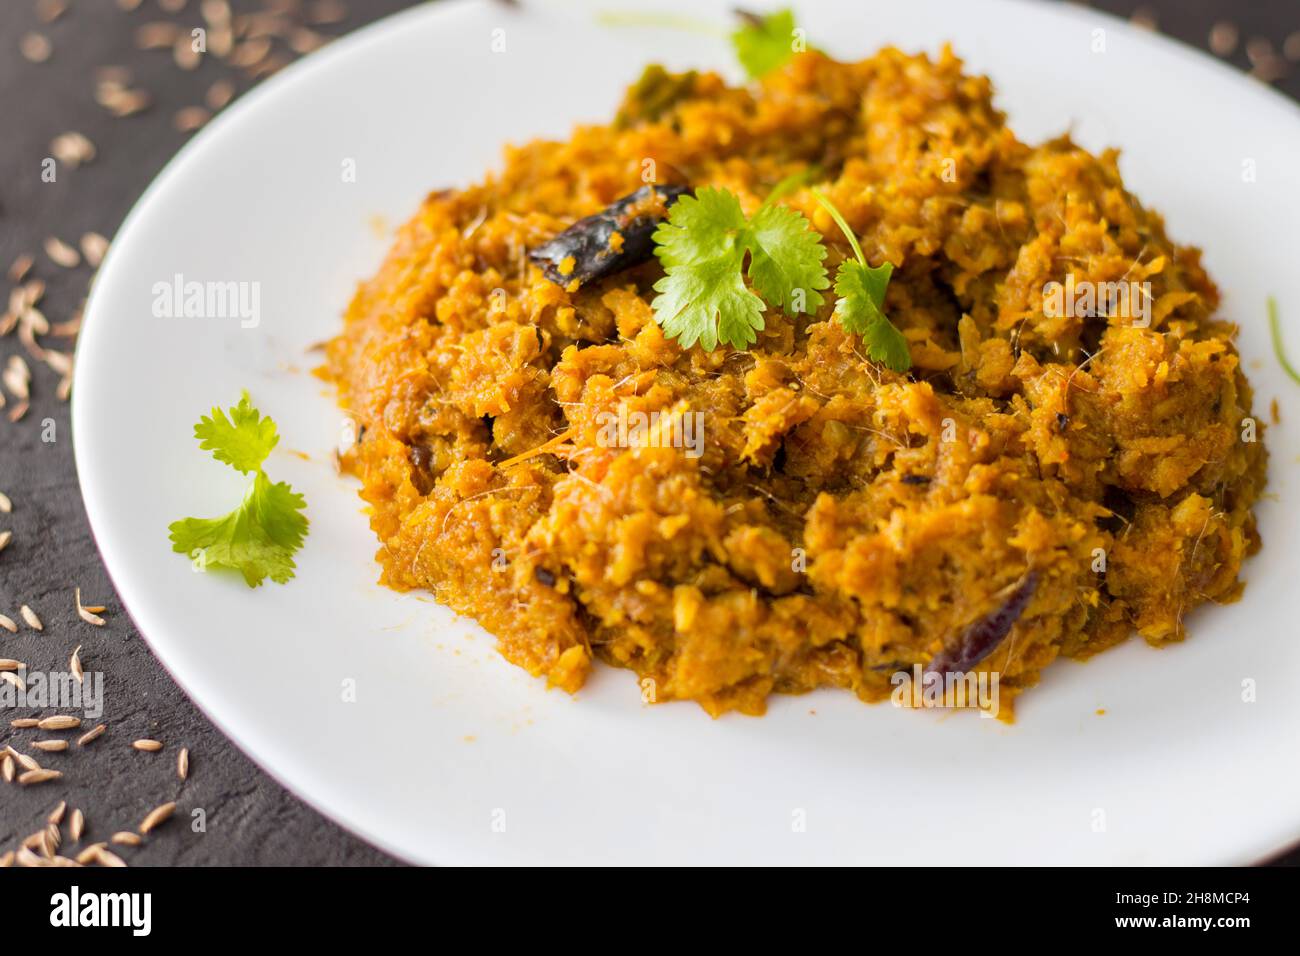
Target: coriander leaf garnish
785,259
257,539
1275,331
702,246
764,43
862,294
860,309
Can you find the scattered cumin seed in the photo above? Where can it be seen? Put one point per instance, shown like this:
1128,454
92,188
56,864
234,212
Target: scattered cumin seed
7,768
250,53
219,94
326,11
190,118
86,614
59,722
1291,46
6,859
47,11
171,6
1258,49
50,746
53,840
61,362
36,47
26,857
157,816
183,52
89,854
12,678
121,101
62,254
5,504
128,5
74,665
18,411
304,41
271,65
1223,38
26,762
30,617
32,291
147,745
215,11
106,858
76,825
183,763
5,538
56,815
31,777
17,377
20,267
1144,17
90,735
93,247
23,723
126,838
9,664
33,319
158,35
72,149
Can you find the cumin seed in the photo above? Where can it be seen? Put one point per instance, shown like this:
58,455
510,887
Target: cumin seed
157,816
91,735
59,722
62,254
30,617
31,777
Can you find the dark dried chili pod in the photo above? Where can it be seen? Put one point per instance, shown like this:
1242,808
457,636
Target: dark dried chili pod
588,241
981,637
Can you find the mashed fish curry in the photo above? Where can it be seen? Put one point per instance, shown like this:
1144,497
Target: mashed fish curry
1033,439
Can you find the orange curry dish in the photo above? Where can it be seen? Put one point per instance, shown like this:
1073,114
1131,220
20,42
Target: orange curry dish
1041,481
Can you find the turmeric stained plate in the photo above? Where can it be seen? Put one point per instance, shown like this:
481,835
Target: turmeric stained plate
458,757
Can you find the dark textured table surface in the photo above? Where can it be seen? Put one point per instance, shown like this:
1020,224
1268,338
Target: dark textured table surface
247,817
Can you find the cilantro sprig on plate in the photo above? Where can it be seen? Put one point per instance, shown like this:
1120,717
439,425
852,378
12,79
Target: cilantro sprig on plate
258,539
704,245
860,308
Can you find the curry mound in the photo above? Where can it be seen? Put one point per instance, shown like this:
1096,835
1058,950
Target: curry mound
1038,484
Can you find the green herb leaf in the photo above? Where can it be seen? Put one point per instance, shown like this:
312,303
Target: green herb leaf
860,308
259,538
785,259
242,441
764,43
702,246
1275,331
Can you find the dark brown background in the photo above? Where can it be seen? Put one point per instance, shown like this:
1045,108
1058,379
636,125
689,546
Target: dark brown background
250,818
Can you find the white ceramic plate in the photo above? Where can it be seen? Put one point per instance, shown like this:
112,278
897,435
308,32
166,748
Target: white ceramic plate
450,755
